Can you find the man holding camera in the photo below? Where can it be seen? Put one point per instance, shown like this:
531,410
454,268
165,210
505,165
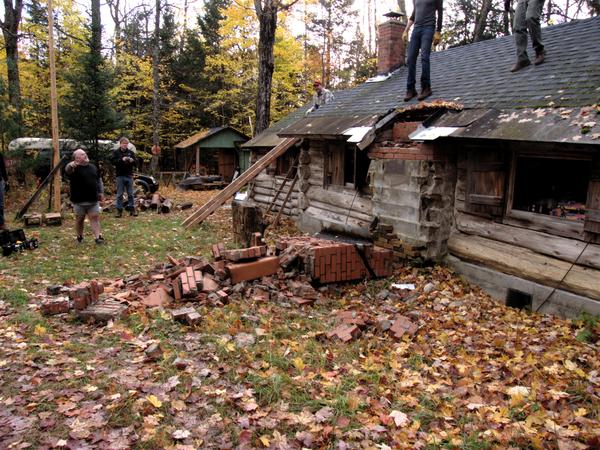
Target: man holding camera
124,161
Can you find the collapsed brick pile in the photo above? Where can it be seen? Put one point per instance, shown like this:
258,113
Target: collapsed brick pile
286,277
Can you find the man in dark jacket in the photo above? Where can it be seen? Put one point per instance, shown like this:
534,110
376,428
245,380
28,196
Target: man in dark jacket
3,188
124,162
86,191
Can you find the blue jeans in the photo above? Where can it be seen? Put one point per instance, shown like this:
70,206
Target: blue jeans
122,184
1,203
420,39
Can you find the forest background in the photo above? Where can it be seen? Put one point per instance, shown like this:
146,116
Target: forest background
159,71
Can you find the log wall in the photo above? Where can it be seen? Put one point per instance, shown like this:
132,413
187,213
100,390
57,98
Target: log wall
554,257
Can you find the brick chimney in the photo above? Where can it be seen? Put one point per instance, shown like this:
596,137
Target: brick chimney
390,46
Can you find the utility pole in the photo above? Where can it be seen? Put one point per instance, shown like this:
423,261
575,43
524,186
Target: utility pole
56,182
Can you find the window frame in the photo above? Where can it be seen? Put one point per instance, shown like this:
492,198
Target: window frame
537,221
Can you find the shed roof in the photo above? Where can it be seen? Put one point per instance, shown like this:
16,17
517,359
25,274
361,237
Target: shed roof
478,76
203,135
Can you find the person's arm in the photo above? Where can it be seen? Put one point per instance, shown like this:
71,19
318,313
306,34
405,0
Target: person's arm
99,186
409,25
440,15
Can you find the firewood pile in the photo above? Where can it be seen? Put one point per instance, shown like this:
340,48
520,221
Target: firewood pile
149,202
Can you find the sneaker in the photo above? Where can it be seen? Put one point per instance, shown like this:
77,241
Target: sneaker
520,64
410,94
119,213
99,240
79,239
425,92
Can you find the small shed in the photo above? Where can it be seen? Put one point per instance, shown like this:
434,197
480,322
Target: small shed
215,151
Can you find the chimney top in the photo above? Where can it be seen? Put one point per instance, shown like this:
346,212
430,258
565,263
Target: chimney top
394,15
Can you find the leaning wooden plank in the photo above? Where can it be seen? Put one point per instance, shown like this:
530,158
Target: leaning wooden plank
524,263
41,187
211,206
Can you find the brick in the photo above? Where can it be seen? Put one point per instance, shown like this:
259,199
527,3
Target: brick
209,285
103,311
176,289
80,296
216,251
223,296
58,305
402,325
158,297
253,270
32,220
344,332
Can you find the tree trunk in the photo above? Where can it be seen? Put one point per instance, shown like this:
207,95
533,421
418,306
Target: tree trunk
155,76
267,16
479,33
10,31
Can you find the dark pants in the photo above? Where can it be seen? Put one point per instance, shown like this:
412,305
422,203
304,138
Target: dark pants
420,39
1,203
527,18
125,183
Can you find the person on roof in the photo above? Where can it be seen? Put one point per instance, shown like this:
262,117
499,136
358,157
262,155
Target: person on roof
527,18
427,31
321,97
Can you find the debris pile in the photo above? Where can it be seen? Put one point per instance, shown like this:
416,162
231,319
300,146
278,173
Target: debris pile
150,202
286,277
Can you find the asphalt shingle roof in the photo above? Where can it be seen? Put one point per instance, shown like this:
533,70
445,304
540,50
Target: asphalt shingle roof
478,75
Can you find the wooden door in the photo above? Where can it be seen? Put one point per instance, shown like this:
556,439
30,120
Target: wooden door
486,182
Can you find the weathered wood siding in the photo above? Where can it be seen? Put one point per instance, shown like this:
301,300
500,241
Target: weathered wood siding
263,188
335,208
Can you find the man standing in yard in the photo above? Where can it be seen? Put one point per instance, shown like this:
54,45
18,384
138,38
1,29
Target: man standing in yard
427,31
3,189
86,191
321,97
124,161
527,18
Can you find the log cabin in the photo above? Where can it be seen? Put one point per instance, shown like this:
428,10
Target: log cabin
497,173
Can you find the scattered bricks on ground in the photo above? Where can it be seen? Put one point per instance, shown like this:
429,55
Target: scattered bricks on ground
58,305
402,325
253,270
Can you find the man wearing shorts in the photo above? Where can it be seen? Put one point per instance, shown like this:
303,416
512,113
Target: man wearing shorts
86,190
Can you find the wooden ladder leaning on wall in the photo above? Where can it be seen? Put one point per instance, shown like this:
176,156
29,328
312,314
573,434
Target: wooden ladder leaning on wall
214,203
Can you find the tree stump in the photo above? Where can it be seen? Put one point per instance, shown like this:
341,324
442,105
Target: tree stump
247,219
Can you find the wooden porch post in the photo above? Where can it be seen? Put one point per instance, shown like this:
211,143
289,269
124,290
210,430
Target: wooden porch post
197,159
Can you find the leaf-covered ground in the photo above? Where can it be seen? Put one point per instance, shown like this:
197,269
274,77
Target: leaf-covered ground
262,374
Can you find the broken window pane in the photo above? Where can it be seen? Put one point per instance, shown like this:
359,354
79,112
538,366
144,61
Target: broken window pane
555,187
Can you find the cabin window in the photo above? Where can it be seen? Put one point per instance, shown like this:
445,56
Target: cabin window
551,187
346,166
286,161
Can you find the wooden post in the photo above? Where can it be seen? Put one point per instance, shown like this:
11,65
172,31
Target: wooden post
197,159
56,183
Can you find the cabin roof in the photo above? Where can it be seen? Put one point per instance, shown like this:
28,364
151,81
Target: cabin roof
477,76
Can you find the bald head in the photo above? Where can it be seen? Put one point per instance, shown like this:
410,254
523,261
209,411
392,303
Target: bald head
80,157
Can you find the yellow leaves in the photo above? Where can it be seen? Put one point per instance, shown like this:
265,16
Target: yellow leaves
581,412
518,395
264,439
570,365
154,401
39,330
298,363
230,347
